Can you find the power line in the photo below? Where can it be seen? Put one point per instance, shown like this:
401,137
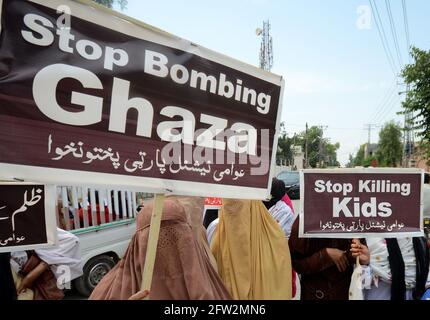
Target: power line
337,128
369,128
391,90
409,133
392,104
394,32
387,108
383,37
326,127
389,101
405,19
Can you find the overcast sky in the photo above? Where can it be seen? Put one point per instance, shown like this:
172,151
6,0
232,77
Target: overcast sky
329,52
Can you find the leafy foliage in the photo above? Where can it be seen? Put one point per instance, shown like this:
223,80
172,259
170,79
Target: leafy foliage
417,76
110,3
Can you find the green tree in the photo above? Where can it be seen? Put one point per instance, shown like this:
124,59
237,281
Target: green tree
417,76
359,157
331,154
321,152
284,152
350,163
390,145
110,3
367,162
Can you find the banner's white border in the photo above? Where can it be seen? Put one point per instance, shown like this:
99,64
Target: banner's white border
275,141
117,181
98,14
50,219
344,235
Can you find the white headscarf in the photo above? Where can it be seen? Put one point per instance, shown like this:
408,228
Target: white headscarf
64,258
380,266
285,217
426,200
211,230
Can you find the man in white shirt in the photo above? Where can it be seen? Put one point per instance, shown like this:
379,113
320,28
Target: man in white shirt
426,195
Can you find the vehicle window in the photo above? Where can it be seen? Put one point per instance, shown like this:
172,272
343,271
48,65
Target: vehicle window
289,177
282,176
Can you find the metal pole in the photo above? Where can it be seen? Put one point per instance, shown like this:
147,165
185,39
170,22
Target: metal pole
306,147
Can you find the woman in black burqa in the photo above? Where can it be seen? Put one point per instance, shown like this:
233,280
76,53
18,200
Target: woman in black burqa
7,285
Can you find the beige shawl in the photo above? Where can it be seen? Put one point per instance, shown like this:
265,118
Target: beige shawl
182,267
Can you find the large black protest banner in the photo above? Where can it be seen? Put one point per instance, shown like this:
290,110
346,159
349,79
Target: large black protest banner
90,96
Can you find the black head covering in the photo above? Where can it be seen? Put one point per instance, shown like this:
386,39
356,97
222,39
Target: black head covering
277,192
7,285
397,266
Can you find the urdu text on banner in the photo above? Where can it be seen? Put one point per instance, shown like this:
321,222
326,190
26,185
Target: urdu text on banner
27,216
356,203
89,96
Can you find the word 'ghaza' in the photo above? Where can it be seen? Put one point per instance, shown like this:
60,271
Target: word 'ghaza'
367,208
41,33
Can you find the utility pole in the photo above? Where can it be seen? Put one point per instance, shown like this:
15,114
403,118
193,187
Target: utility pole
306,147
369,127
266,49
321,156
409,137
406,141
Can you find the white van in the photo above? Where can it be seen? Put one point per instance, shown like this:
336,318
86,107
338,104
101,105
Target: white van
104,242
104,230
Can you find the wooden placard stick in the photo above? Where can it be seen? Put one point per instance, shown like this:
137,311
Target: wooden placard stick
151,249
